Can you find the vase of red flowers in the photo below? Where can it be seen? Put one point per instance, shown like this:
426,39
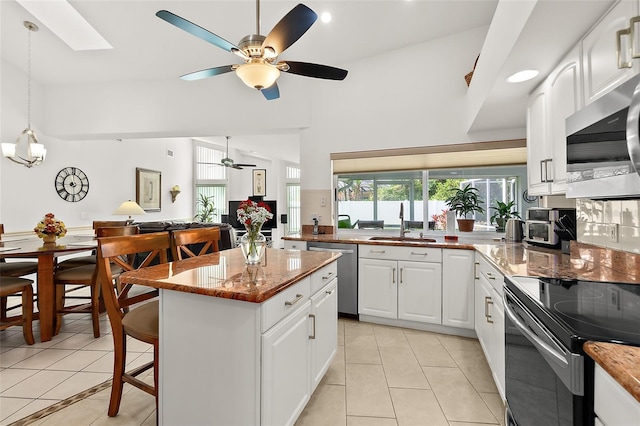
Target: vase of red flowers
253,243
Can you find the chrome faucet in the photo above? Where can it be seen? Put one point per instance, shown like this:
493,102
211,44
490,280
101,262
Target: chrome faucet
315,226
402,230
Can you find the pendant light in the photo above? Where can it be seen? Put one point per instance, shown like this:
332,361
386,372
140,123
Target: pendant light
35,152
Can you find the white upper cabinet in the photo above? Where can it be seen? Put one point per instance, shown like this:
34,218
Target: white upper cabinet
565,98
538,155
599,59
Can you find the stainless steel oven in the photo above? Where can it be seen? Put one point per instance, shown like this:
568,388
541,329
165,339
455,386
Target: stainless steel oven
548,378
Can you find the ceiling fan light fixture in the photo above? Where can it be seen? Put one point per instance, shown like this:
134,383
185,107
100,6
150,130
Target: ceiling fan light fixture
258,75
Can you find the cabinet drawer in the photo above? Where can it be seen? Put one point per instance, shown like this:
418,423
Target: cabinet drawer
295,245
612,403
283,303
493,276
419,254
323,277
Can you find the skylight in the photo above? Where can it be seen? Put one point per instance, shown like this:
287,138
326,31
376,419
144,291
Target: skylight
66,23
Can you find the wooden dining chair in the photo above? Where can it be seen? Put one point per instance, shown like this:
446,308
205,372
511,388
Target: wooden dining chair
85,275
16,269
141,320
189,241
90,259
10,286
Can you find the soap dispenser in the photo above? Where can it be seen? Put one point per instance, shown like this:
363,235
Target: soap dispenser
315,226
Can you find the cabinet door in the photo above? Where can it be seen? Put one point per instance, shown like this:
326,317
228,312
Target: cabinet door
497,362
324,334
378,288
538,155
420,292
483,324
565,99
286,376
457,288
599,61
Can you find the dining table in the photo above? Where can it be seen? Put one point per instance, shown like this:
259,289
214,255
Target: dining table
46,255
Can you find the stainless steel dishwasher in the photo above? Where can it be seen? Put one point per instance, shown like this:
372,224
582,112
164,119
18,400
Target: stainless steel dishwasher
347,275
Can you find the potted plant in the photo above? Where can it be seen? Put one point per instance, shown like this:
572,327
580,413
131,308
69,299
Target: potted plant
206,209
465,201
503,212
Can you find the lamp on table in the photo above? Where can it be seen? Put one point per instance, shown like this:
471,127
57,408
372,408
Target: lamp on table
129,208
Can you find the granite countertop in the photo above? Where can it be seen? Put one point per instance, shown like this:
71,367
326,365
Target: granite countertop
620,361
224,274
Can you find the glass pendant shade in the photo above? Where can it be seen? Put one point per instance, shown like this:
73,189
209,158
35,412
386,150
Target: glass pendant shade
258,75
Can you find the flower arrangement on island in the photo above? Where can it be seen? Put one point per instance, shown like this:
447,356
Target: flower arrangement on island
253,215
49,225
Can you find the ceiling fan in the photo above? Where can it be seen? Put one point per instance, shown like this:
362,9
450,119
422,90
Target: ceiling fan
228,162
261,67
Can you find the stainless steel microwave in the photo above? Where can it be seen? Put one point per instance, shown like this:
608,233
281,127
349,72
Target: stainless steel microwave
603,146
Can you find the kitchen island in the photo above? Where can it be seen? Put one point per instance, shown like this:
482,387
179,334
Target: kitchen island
242,345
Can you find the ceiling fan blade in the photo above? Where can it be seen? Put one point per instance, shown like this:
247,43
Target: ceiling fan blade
196,30
209,72
245,165
236,166
272,92
316,70
290,28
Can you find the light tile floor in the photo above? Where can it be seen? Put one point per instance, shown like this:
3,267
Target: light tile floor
380,376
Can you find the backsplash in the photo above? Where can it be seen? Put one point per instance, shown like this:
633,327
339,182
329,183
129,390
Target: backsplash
597,220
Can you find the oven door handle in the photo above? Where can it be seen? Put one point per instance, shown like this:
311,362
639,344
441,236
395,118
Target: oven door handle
542,346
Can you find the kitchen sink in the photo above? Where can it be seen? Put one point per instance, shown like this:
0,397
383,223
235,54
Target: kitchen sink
407,239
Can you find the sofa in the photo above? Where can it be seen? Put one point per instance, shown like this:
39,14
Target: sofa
227,239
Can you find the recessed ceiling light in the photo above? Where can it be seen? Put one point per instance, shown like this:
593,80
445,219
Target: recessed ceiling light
66,23
521,76
325,17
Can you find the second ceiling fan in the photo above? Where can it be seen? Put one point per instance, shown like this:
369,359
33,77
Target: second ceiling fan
261,67
228,162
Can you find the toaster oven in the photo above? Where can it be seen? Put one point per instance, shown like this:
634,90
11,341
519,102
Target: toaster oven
540,225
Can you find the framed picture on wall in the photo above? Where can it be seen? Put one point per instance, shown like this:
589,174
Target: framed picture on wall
148,184
259,182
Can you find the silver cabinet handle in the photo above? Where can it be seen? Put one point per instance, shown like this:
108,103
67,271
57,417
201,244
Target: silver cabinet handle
401,275
619,52
487,314
393,276
377,251
413,253
330,292
294,301
543,177
546,169
475,271
329,275
313,336
491,276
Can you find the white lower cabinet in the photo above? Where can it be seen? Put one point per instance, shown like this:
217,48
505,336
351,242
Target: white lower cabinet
613,405
324,332
394,286
458,288
286,380
489,318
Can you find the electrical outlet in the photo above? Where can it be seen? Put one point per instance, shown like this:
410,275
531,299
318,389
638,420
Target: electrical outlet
613,233
319,218
323,202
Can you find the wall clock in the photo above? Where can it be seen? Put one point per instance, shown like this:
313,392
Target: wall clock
72,184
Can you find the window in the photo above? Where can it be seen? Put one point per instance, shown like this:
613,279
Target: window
376,196
210,181
293,200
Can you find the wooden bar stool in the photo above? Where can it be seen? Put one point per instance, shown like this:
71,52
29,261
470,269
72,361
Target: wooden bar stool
90,259
184,242
139,322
